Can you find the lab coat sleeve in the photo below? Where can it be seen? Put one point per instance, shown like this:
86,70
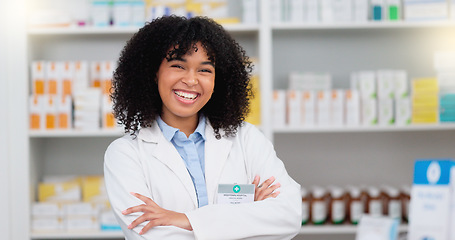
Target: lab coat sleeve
272,218
123,174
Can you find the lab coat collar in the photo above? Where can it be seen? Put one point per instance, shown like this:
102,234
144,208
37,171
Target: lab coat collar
216,154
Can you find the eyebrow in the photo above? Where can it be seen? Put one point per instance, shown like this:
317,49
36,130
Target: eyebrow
184,60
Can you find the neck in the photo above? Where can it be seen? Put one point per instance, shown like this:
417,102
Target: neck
186,125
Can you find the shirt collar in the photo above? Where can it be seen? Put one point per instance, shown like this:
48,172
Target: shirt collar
169,132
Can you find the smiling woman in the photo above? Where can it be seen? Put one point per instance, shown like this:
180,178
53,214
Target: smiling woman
181,90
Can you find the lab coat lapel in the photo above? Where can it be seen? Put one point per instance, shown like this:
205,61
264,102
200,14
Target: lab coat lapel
168,155
216,153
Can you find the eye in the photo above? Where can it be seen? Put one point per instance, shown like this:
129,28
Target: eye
177,66
206,70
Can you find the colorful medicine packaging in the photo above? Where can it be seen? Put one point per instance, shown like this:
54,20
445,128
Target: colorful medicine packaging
432,205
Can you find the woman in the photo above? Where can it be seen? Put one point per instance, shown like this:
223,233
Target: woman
181,89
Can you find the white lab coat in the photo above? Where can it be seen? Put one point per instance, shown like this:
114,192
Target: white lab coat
150,165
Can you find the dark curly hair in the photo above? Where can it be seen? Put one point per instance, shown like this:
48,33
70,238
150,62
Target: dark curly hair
135,95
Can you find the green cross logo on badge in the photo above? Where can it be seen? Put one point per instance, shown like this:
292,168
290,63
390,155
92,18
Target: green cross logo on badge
236,188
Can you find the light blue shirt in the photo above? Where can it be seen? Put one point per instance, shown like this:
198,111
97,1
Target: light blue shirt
191,149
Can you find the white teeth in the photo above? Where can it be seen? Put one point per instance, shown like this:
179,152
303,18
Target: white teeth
186,95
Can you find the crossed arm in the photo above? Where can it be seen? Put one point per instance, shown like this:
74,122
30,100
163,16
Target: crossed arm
158,216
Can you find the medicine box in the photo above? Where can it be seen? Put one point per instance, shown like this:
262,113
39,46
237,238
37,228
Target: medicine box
418,10
337,107
293,107
279,108
386,83
36,111
323,107
432,200
38,77
386,112
403,111
367,84
59,189
352,102
369,113
308,108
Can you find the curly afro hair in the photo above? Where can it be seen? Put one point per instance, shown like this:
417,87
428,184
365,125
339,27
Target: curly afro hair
135,95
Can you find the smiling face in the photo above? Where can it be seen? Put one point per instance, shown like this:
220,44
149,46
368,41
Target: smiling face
185,85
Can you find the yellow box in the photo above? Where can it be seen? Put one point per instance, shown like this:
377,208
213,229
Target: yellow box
425,85
59,191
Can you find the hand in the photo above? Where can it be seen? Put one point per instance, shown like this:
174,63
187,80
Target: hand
156,216
264,190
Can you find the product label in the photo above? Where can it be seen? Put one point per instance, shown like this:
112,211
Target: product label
338,211
394,209
319,212
375,207
305,212
356,211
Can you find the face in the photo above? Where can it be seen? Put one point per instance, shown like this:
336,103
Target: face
185,85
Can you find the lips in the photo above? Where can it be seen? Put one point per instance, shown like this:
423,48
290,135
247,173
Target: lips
186,95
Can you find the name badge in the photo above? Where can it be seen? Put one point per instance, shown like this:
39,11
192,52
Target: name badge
235,193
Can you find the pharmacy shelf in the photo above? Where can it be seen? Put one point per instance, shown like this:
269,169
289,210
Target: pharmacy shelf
78,235
364,25
337,229
347,129
74,30
75,133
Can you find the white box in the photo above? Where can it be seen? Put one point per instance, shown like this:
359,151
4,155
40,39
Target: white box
81,223
66,75
342,10
50,112
401,84
46,209
418,10
296,11
367,84
64,111
53,78
432,200
80,209
385,83
386,111
250,11
352,100
326,11
312,11
293,108
100,13
369,111
81,76
308,108
337,107
37,112
121,13
360,10
279,108
38,75
46,224
137,13
323,108
276,9
403,111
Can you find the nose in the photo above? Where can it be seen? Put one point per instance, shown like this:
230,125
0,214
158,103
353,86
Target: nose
190,79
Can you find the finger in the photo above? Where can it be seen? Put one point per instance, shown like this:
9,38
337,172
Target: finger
256,181
147,227
145,199
268,191
273,195
268,182
139,220
138,208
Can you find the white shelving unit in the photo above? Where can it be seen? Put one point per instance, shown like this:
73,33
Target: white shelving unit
313,156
